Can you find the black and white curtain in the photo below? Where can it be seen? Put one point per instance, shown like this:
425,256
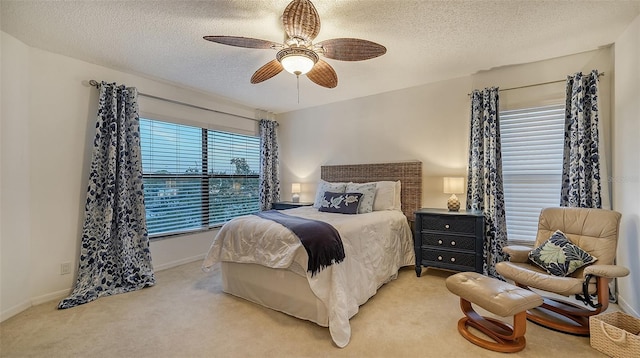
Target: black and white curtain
484,185
581,171
114,251
269,164
584,165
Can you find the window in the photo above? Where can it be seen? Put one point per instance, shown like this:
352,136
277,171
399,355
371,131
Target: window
532,149
196,178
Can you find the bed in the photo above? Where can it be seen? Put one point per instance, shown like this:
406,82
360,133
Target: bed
263,262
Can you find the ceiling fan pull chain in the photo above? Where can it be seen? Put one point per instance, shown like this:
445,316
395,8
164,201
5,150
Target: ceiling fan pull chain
298,87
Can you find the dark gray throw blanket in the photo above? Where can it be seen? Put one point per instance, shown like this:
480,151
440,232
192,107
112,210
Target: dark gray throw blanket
321,240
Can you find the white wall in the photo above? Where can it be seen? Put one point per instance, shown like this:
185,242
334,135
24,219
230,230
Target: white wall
15,217
626,165
429,123
48,117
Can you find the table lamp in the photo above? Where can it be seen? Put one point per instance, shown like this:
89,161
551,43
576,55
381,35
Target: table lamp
453,186
295,192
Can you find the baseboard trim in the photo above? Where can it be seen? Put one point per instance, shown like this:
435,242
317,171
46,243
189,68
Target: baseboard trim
34,301
58,295
6,314
183,261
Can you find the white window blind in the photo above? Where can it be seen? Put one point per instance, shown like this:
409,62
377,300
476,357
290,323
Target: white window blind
195,178
234,165
532,149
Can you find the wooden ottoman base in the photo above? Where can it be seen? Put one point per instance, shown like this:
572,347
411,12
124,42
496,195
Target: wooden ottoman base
498,297
506,338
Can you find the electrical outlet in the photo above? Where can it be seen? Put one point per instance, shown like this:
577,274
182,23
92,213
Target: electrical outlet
65,268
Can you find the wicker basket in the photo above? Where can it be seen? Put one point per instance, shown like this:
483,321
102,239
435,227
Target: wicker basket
615,334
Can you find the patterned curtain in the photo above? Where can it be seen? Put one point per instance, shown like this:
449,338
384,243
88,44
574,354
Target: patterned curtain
583,160
114,251
269,164
581,179
484,185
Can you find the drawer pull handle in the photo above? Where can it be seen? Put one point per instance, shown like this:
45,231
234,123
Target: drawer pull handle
453,259
439,258
453,243
440,242
446,226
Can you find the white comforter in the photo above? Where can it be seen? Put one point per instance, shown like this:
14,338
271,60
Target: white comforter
376,245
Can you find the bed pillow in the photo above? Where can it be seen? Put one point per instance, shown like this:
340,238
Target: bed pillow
369,193
559,256
327,186
398,202
385,198
342,203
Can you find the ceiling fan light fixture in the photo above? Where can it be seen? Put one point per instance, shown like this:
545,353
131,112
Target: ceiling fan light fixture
297,64
297,60
298,54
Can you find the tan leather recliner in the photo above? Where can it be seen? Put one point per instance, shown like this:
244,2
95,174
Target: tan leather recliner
594,231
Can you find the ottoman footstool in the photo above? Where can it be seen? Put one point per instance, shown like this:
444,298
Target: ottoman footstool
498,297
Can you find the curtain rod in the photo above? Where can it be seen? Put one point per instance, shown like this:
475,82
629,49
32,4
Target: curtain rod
534,85
96,84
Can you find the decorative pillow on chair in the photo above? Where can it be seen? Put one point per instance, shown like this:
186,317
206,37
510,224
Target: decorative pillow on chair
559,256
342,203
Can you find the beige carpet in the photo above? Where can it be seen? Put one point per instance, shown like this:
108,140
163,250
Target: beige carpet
187,315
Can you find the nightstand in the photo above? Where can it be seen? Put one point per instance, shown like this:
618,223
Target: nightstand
283,205
450,240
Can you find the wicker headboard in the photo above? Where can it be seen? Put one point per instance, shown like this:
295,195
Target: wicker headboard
409,174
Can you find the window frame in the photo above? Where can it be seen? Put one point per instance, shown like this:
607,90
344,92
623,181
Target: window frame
204,176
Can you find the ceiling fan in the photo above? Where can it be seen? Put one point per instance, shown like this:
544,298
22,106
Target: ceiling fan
298,54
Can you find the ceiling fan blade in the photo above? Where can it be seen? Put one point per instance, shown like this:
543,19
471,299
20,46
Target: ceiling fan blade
300,19
241,41
267,71
348,49
323,74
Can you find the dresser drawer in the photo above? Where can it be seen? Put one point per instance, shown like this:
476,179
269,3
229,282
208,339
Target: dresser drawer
450,242
449,258
463,225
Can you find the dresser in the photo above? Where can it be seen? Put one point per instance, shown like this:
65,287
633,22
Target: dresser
283,205
449,239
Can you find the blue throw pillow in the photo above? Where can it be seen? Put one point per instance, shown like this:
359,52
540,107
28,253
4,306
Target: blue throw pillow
342,203
559,256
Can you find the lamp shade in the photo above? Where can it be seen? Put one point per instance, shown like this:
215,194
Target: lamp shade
453,185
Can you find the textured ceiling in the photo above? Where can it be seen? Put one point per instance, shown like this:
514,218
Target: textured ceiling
427,41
